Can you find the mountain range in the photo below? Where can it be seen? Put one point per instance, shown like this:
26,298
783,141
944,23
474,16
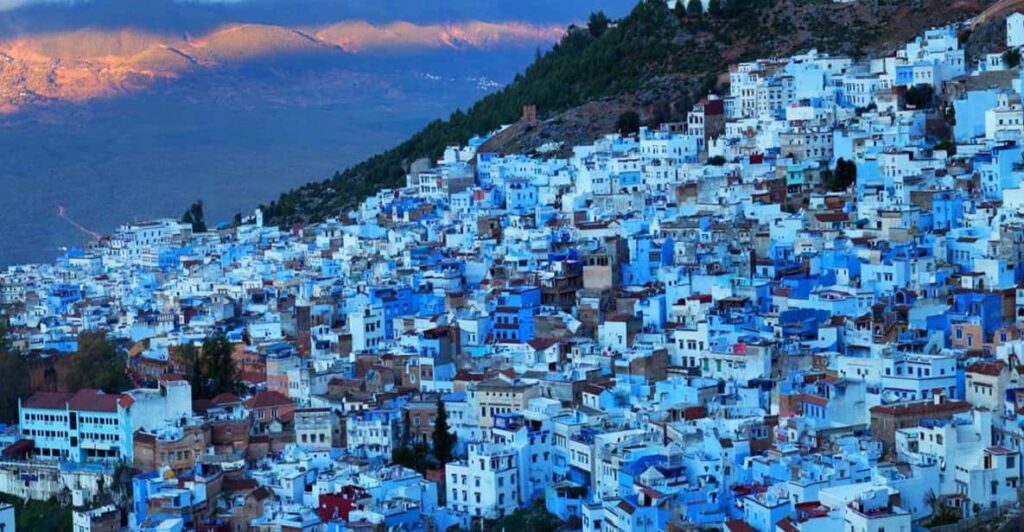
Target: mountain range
79,65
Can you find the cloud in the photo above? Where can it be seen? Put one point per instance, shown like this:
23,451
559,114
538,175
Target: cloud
7,5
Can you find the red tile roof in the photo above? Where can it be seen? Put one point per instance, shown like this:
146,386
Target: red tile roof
97,401
86,400
47,400
922,408
225,398
812,509
267,399
992,369
814,399
18,448
738,526
541,344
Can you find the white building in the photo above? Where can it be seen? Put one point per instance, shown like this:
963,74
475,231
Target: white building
1015,30
971,466
486,484
373,433
168,404
1006,120
80,427
873,512
316,428
367,328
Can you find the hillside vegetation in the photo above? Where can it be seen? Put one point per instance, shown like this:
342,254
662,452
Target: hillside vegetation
655,59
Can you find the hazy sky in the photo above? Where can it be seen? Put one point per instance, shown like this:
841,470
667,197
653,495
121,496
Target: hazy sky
32,16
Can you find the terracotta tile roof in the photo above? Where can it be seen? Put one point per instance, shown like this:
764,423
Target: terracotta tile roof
261,493
541,344
86,400
815,400
255,377
786,525
18,448
239,484
201,406
96,401
992,369
922,408
832,217
652,493
738,526
812,508
126,401
267,399
47,400
225,399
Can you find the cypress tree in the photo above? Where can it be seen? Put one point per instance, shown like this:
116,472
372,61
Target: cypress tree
444,441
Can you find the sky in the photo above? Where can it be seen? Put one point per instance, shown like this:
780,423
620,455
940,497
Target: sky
19,17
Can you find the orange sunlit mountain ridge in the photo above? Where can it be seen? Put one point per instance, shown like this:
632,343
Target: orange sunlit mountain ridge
79,65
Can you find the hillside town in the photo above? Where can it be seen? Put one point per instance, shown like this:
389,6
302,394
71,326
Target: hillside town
799,310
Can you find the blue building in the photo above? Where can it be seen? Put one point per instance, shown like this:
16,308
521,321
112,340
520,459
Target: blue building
514,316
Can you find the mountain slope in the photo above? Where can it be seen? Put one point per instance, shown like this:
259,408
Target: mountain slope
85,64
654,60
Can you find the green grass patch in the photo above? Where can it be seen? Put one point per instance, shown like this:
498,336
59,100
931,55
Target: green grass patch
39,515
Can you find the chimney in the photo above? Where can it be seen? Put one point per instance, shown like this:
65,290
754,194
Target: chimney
530,115
937,396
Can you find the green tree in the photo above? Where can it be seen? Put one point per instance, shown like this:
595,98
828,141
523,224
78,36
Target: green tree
194,216
715,8
221,374
13,378
598,24
844,175
694,8
414,456
920,96
534,518
946,145
444,441
192,363
99,363
1011,58
628,123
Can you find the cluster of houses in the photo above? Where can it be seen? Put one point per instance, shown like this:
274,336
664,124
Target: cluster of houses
700,325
